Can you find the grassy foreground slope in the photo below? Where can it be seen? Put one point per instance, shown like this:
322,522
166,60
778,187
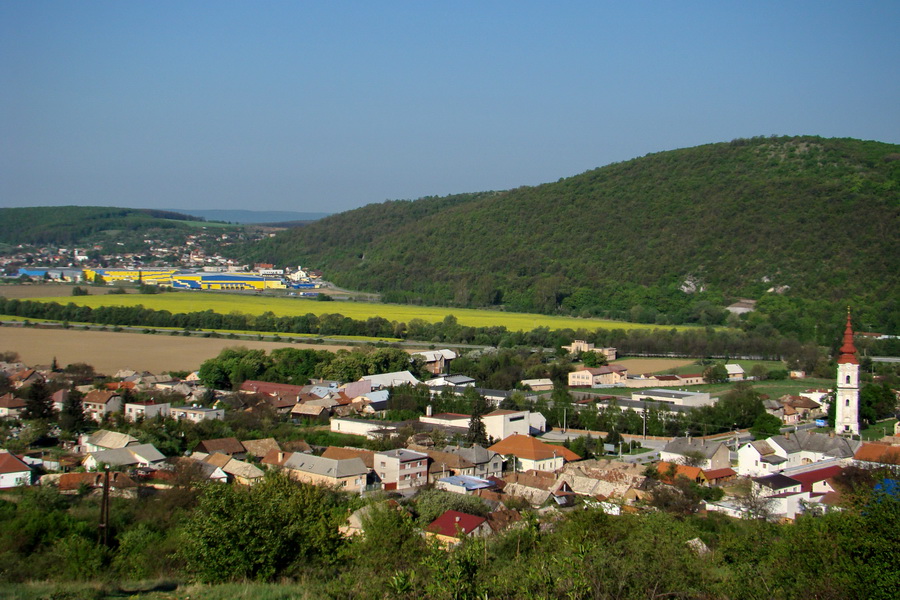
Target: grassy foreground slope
180,302
819,215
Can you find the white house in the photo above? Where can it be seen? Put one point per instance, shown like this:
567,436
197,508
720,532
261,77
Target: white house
500,424
735,372
146,410
13,471
196,414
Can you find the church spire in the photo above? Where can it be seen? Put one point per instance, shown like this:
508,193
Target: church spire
848,350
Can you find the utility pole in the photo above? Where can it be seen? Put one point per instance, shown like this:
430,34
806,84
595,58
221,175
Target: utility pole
104,508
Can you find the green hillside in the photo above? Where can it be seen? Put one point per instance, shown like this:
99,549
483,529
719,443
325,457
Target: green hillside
75,224
821,216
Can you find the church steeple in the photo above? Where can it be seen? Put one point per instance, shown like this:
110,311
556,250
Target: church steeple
846,414
848,350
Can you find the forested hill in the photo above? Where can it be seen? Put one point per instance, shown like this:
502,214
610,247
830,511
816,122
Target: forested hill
736,218
74,224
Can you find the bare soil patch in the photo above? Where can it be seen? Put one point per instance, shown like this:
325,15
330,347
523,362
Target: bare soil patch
654,365
109,351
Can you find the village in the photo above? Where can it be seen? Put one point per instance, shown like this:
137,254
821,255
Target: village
507,458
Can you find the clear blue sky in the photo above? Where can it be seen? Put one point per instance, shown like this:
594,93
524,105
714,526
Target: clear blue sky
326,106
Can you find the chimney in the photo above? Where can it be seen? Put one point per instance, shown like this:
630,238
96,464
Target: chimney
428,411
281,457
457,519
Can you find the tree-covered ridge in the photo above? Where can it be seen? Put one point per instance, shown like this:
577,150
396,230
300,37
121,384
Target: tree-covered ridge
819,215
75,224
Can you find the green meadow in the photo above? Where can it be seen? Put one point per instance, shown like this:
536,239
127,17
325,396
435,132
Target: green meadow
186,302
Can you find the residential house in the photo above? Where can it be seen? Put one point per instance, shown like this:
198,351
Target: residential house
25,378
146,410
669,472
196,414
260,448
758,458
229,446
485,463
532,454
58,398
805,447
500,424
349,474
538,385
590,377
451,380
698,452
14,472
10,406
401,469
99,403
139,455
104,439
338,453
735,372
805,407
236,470
389,380
451,527
874,454
436,362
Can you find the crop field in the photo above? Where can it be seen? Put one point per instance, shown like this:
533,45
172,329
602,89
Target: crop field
185,302
109,351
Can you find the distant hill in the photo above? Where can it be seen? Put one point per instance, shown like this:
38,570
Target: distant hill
658,237
67,225
272,217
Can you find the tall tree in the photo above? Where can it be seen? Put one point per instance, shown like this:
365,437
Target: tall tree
71,418
38,404
477,432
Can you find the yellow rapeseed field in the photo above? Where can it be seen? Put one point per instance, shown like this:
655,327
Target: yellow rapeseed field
185,302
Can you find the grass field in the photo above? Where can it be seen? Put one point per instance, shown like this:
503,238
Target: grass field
185,302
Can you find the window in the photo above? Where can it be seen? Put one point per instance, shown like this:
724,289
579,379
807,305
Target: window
848,379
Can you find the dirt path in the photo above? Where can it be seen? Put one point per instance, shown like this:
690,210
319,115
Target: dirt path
109,351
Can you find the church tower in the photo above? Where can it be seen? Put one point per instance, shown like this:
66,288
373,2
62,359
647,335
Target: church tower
846,414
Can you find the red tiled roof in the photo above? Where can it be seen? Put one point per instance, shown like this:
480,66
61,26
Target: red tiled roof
878,453
336,453
808,478
529,448
453,522
10,463
713,474
228,445
10,401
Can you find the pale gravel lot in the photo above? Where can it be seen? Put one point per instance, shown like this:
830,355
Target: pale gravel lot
654,365
109,351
